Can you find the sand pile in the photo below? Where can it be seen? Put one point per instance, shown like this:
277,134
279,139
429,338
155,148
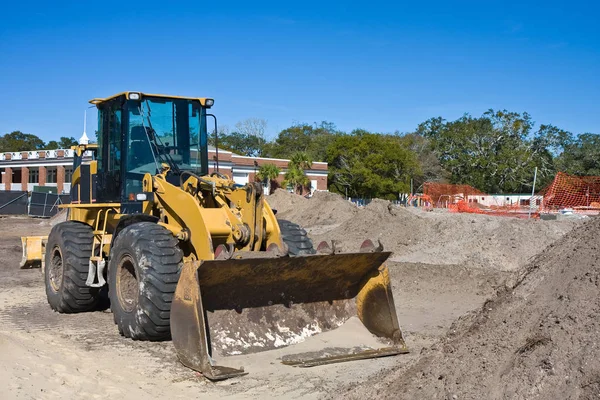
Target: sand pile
285,202
537,339
483,241
475,240
395,227
324,209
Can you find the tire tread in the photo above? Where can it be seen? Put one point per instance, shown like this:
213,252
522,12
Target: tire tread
158,275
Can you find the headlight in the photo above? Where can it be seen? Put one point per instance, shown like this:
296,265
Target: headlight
208,103
134,96
141,197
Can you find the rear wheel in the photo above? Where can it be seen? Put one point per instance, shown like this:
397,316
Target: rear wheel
296,238
142,276
68,252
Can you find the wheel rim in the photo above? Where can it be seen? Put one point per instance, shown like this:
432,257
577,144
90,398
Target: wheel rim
56,269
127,284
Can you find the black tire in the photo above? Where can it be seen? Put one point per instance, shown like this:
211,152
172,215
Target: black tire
296,238
68,254
145,262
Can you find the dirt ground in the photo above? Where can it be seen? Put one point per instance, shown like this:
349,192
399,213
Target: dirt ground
443,268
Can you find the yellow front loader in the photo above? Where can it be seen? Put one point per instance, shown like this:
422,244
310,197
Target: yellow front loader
190,255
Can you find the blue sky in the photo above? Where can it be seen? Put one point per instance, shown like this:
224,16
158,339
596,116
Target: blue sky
381,66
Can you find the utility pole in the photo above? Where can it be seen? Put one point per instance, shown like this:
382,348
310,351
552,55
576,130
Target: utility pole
532,193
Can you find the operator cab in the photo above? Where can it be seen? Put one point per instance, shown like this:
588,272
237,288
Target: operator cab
138,133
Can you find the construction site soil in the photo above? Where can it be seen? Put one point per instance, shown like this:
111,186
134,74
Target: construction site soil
490,307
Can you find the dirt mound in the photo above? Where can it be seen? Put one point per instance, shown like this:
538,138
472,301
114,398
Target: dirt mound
284,201
436,238
395,227
484,241
536,339
323,209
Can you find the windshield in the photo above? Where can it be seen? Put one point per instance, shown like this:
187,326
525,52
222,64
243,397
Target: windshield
165,131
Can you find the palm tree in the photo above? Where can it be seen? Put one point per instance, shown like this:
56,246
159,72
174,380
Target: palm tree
296,178
268,173
301,160
295,175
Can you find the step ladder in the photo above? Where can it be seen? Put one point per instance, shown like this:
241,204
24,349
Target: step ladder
97,262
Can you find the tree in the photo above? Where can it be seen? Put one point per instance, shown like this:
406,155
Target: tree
581,156
301,160
254,130
430,168
553,139
247,139
268,173
295,175
296,178
240,144
19,141
495,153
365,164
63,143
310,139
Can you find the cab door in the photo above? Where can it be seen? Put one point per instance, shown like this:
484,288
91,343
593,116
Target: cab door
110,152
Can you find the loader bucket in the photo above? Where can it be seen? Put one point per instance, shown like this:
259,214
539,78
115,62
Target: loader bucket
245,305
33,251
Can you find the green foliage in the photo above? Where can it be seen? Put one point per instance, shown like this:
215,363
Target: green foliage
296,178
495,153
63,143
267,173
300,160
310,139
364,164
430,168
19,141
295,175
247,139
239,143
581,156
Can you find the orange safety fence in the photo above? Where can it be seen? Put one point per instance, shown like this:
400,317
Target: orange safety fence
444,194
467,199
579,193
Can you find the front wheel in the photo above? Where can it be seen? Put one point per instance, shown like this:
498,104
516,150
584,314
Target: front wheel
68,252
143,272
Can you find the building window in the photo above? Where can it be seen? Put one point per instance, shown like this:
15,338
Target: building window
68,175
51,174
34,175
17,172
